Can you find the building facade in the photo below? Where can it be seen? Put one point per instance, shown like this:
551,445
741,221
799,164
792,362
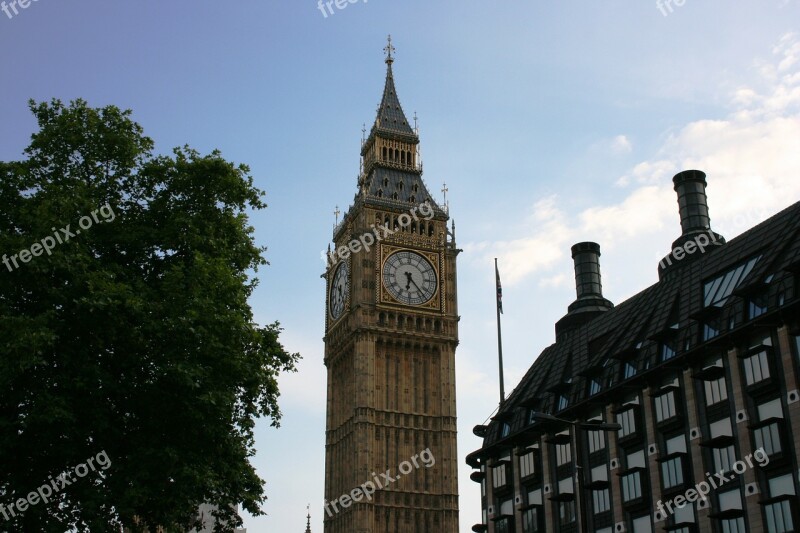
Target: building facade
390,340
695,381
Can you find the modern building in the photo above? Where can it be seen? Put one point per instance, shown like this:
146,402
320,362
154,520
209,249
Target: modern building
694,382
390,338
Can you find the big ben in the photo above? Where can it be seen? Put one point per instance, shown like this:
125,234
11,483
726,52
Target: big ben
390,339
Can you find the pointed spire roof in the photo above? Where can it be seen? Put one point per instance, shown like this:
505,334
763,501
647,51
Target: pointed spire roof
391,117
308,523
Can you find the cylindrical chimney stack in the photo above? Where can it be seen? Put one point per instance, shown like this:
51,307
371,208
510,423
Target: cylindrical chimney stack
587,270
692,202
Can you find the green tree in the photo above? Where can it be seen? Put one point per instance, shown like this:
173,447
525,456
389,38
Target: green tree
133,337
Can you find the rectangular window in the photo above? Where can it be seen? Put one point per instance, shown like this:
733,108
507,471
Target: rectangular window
642,524
734,525
630,370
594,387
601,501
667,351
627,420
503,525
718,290
532,520
597,440
770,409
665,406
563,402
672,472
566,513
499,476
756,368
757,307
563,454
769,438
781,486
527,465
779,517
724,458
716,391
710,331
632,486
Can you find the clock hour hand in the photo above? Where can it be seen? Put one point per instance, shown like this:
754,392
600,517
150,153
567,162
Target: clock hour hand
409,280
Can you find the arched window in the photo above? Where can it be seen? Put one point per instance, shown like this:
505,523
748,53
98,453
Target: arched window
380,193
384,153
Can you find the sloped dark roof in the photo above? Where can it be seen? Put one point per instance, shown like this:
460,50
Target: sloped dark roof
634,330
391,117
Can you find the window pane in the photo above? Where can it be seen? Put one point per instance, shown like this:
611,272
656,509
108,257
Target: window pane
601,501
781,486
721,428
771,409
779,517
676,445
731,499
665,406
627,420
756,368
723,459
716,391
642,525
526,465
636,459
631,486
597,441
768,438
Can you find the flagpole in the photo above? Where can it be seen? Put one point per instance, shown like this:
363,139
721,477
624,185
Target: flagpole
499,333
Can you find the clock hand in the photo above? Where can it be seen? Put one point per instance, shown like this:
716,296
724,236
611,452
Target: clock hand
417,286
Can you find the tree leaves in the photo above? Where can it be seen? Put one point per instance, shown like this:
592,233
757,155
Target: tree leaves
135,336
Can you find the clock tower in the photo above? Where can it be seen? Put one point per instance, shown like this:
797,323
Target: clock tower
391,332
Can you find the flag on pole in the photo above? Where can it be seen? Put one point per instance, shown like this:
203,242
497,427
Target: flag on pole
499,289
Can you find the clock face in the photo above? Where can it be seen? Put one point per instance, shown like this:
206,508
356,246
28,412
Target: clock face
409,277
339,289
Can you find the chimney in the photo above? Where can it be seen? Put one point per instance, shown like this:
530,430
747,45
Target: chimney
589,288
586,256
692,201
696,235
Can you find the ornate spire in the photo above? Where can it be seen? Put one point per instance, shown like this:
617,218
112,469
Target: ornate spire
391,117
308,522
389,51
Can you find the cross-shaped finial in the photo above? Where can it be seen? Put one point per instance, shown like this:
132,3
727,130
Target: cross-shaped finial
416,128
337,213
445,190
389,50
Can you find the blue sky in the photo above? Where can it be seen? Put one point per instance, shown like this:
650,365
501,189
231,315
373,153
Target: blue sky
552,123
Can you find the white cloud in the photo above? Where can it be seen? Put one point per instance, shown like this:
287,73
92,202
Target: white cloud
751,158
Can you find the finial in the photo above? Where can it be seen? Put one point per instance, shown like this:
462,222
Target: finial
308,523
363,133
416,127
445,190
337,213
389,50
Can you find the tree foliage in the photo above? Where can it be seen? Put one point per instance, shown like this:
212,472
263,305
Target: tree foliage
133,337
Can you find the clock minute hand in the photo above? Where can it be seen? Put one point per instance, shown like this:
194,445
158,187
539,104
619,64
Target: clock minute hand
417,286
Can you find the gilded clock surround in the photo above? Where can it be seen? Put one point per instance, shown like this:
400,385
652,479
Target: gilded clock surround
436,303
